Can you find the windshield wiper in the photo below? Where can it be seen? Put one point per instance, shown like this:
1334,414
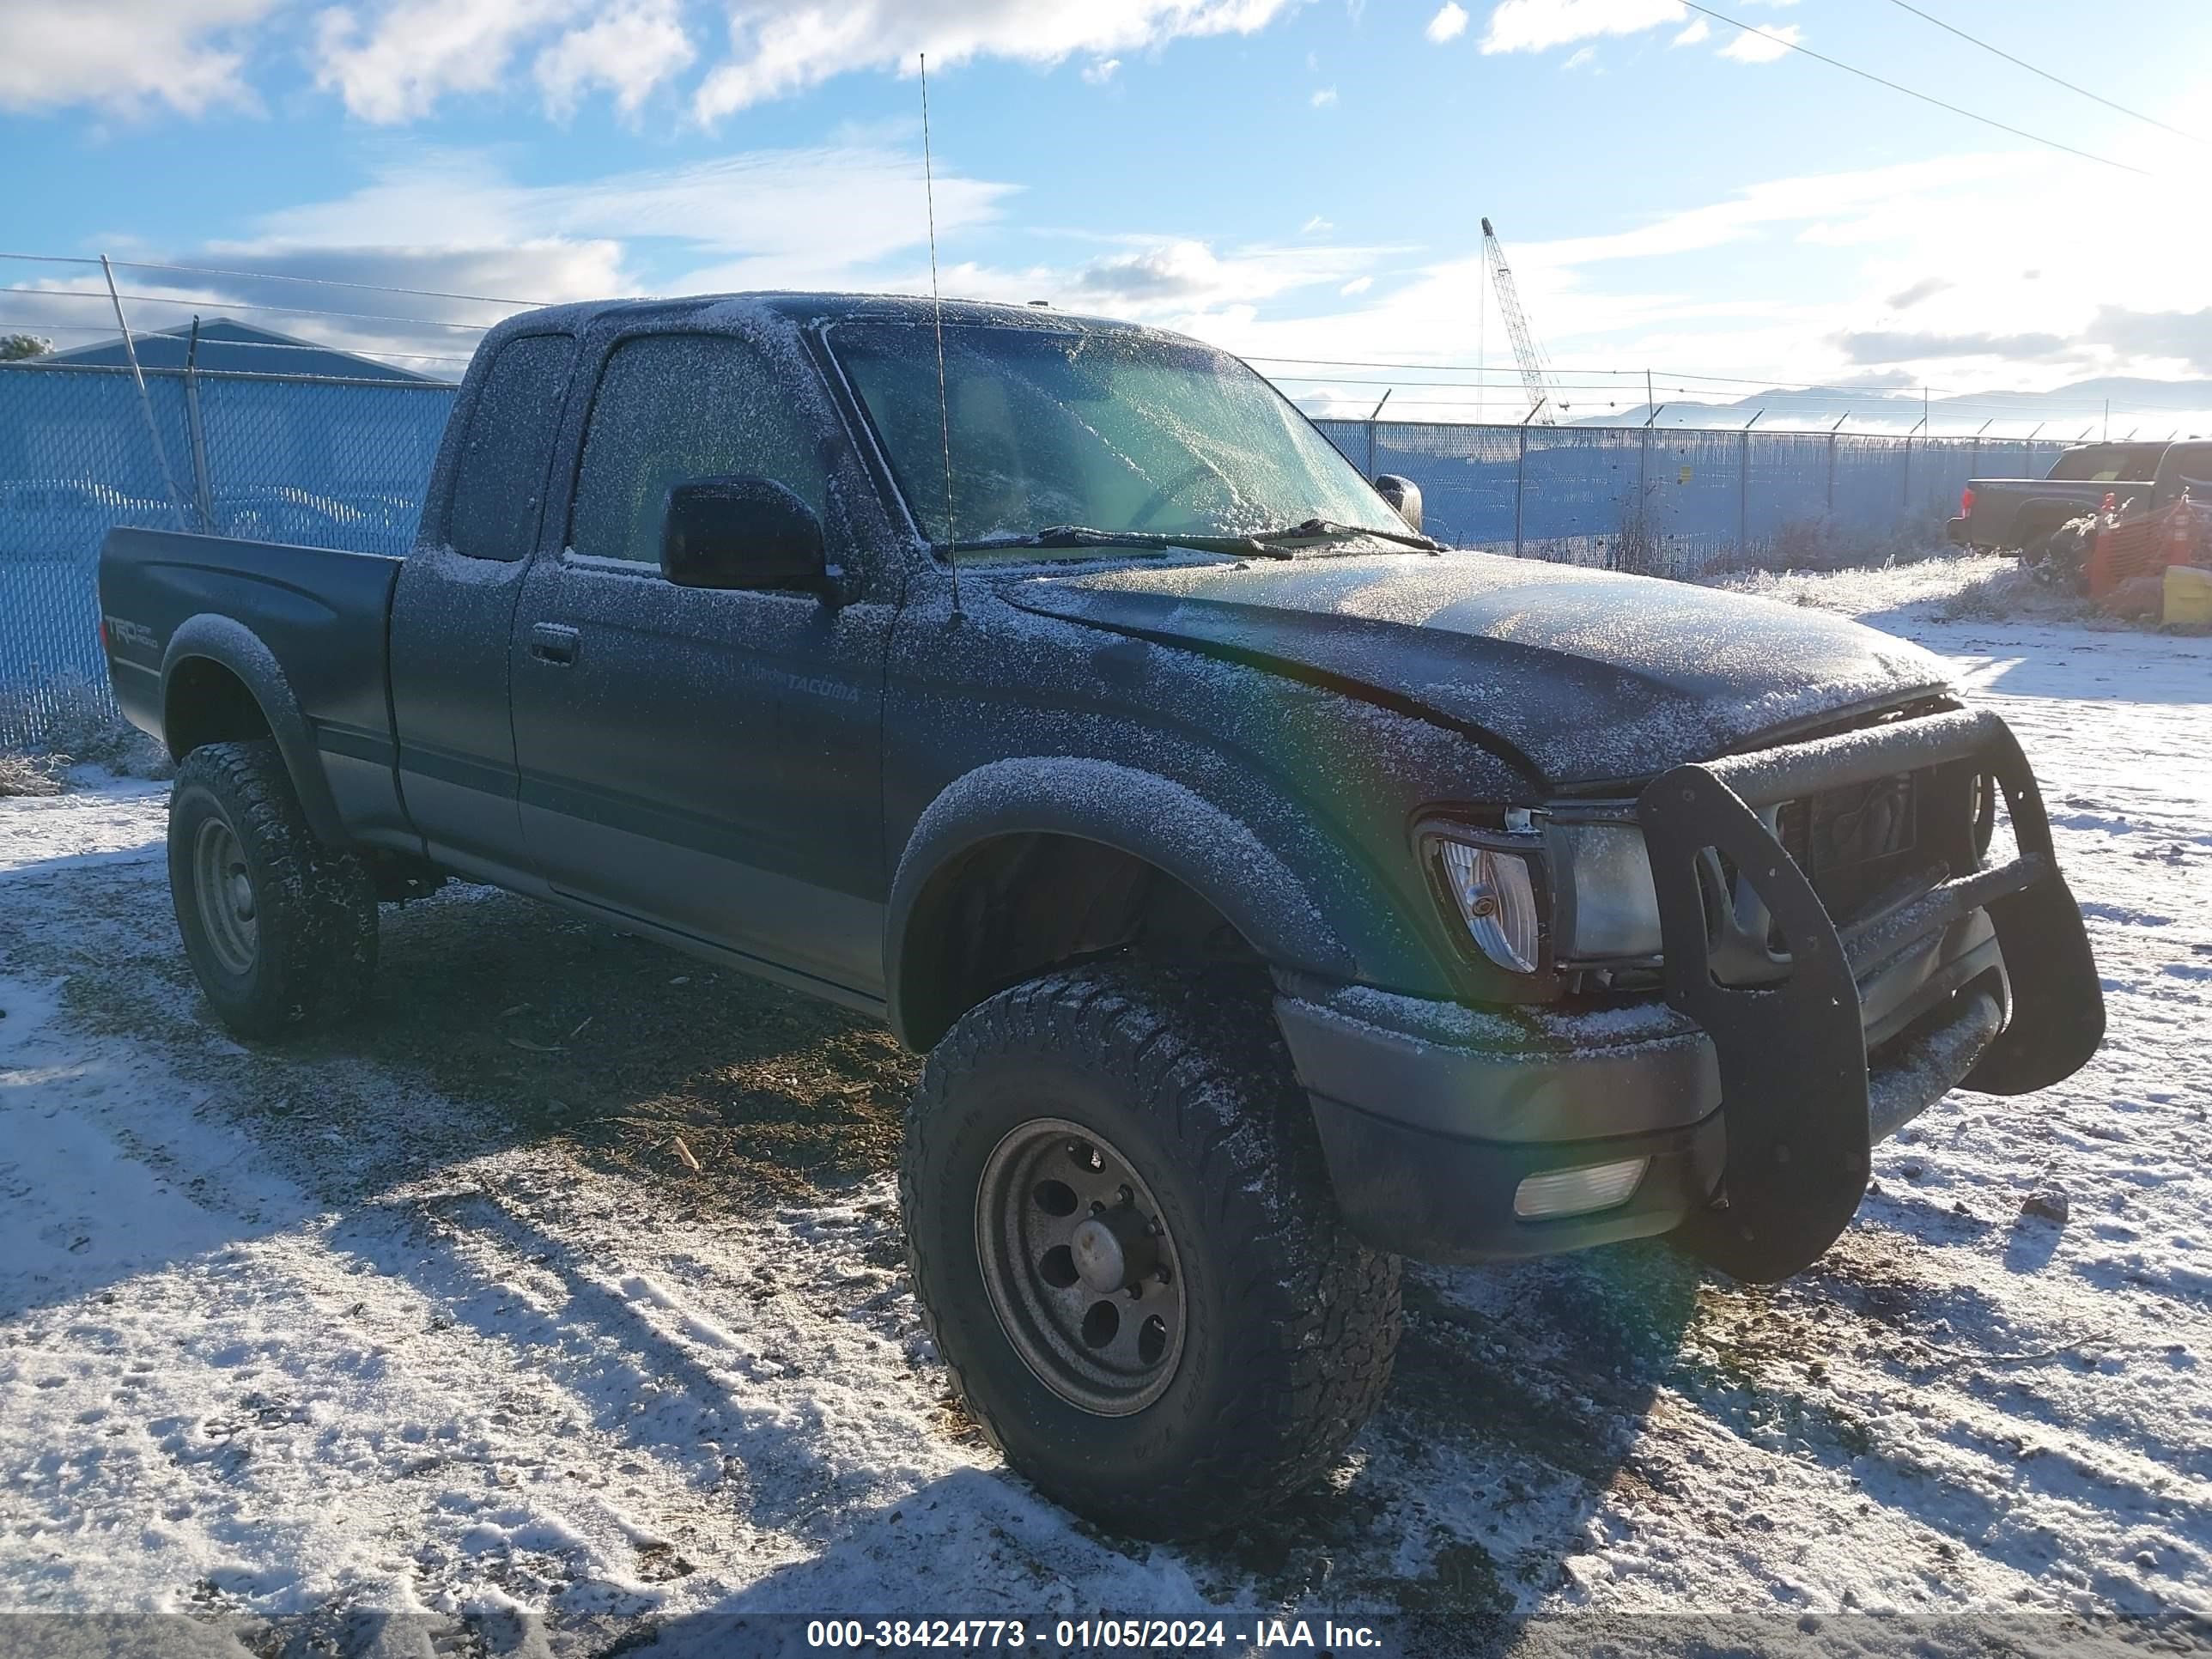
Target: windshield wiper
1078,535
1323,530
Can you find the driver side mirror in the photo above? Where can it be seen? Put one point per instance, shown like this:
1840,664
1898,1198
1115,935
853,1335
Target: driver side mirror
742,533
1404,496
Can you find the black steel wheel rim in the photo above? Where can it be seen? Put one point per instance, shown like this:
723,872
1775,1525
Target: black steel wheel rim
222,891
1081,1268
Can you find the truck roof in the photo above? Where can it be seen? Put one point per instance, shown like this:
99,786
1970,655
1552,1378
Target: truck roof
804,308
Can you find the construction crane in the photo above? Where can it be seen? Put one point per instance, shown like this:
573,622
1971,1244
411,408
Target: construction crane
1535,368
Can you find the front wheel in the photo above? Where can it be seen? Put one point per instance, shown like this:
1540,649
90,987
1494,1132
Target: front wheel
280,931
1124,1243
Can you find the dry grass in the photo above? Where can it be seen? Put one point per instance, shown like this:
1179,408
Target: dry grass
1978,587
32,775
72,723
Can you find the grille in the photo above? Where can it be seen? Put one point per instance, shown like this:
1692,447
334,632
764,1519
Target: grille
1857,844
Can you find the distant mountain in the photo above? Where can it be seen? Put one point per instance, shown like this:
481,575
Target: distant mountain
2152,407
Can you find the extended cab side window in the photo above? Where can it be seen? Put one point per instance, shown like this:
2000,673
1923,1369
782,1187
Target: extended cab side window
501,477
673,407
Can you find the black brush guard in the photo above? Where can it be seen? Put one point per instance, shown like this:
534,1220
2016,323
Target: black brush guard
1801,1111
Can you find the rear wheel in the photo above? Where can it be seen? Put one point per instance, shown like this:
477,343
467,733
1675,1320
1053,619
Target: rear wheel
1123,1239
280,931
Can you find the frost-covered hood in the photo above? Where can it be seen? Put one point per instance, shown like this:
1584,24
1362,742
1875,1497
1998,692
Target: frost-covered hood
1589,675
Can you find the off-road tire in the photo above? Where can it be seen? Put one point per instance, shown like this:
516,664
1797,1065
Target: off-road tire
313,953
1290,1322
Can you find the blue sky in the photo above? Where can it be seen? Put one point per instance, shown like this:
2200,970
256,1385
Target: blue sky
1292,180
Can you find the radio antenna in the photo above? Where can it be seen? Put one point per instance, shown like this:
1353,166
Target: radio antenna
937,300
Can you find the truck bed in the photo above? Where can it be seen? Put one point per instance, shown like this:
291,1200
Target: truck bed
321,613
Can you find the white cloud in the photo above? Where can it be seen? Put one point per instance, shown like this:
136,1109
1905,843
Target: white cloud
126,55
397,66
1578,57
1750,48
1448,24
1956,235
1100,72
395,60
1324,98
1539,24
1699,30
782,47
1357,285
1315,226
630,49
799,218
1168,278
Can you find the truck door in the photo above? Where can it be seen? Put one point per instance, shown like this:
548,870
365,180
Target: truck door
452,611
705,760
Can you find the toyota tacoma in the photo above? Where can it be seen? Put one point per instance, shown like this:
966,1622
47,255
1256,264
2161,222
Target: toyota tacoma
1275,893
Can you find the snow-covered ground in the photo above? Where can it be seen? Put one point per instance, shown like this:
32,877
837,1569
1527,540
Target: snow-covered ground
311,1335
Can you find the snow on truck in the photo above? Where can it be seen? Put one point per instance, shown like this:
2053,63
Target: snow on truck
1274,892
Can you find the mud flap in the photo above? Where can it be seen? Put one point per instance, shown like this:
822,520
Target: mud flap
1792,1053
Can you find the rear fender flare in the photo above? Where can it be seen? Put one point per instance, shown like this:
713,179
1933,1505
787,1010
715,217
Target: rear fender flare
1165,823
229,644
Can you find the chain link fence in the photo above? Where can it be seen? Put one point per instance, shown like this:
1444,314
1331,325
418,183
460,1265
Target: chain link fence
273,457
343,463
1677,502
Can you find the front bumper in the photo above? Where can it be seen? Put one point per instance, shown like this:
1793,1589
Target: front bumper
1756,1103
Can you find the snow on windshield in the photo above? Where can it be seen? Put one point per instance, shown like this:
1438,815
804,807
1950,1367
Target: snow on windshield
1114,429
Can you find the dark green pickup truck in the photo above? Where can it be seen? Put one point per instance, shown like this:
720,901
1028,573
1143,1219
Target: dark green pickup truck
2020,515
1274,892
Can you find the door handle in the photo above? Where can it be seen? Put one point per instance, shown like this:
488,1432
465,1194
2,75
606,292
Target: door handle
555,643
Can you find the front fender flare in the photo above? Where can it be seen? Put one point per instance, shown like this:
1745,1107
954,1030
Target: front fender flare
228,643
1148,816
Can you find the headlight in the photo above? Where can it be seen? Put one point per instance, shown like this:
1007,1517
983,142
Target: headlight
1612,911
1496,899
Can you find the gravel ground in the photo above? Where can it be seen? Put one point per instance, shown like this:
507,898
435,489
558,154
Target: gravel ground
432,1318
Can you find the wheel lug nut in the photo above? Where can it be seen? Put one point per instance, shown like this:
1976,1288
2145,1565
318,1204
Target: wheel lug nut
1128,1197
1096,1207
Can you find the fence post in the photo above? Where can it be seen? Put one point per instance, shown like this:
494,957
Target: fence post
1831,508
1643,502
1371,446
145,403
203,494
1520,483
1743,493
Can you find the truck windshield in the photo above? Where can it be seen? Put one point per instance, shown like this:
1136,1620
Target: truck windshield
1112,430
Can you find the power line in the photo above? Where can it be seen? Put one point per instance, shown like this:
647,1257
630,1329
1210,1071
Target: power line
42,328
2060,81
273,277
334,281
189,299
1925,98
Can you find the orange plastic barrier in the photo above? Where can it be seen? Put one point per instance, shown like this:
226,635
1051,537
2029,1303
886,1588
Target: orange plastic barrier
2146,546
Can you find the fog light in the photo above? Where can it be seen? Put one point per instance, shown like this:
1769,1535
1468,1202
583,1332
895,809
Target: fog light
1578,1192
